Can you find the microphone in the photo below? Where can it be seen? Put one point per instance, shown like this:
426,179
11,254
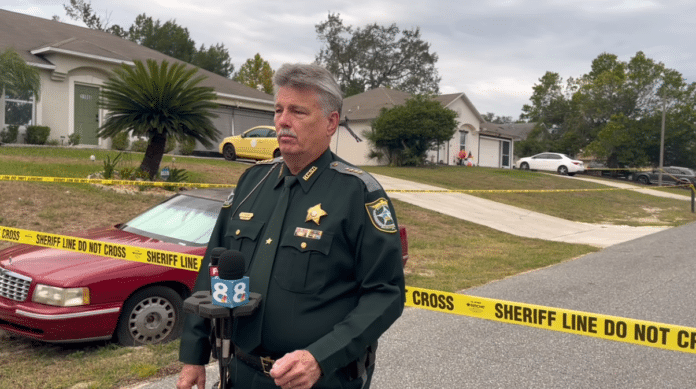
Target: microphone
230,289
217,321
228,298
214,260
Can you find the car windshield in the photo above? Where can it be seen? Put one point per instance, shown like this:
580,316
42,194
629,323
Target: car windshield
182,219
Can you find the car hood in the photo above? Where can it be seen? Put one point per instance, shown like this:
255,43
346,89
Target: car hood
68,268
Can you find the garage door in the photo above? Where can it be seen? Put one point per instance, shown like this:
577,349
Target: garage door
234,121
489,150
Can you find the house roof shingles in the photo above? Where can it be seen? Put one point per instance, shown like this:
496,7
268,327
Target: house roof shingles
34,37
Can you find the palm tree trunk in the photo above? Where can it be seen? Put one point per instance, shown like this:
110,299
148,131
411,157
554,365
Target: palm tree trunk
153,155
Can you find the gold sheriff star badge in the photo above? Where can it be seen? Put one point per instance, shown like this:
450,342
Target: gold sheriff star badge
315,213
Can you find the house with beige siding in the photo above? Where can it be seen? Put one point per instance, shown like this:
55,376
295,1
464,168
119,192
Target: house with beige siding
488,146
74,62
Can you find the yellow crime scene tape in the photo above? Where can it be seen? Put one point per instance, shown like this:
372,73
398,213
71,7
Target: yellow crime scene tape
500,190
105,249
525,190
69,180
639,332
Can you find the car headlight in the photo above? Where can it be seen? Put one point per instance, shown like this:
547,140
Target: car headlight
61,297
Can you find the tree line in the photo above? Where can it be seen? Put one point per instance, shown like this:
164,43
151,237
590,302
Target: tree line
361,58
614,113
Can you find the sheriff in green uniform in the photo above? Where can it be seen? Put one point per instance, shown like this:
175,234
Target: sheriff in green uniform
321,244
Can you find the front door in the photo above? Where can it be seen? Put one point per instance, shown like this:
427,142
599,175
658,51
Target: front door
86,114
505,154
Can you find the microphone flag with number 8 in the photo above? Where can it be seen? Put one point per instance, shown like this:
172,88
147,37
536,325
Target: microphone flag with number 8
230,288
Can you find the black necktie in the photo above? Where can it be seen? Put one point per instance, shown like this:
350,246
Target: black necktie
261,266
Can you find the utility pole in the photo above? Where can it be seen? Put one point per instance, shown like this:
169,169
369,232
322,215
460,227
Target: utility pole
662,144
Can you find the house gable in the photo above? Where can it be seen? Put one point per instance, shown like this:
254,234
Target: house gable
362,109
68,55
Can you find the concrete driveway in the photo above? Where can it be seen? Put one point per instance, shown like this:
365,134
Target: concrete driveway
514,220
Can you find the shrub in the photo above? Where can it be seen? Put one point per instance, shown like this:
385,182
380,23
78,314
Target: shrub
74,139
175,175
186,147
139,145
110,165
120,141
9,135
127,173
37,135
53,142
171,144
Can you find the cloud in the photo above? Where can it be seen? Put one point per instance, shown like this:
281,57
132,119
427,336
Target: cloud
492,50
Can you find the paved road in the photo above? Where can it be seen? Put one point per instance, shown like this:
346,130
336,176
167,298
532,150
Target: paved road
648,279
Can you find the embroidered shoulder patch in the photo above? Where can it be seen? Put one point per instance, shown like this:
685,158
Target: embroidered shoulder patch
381,215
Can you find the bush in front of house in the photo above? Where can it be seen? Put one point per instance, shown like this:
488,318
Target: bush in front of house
74,139
187,145
120,141
170,145
37,135
139,146
9,134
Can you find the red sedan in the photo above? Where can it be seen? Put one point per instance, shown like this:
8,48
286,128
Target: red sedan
62,296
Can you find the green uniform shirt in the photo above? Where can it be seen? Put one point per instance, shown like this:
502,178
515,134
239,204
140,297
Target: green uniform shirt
337,281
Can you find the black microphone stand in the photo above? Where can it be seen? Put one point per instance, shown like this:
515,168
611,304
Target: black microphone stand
201,304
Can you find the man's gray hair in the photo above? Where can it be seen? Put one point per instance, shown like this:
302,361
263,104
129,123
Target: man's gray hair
311,76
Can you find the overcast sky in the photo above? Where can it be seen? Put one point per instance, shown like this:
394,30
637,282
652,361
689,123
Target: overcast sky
492,50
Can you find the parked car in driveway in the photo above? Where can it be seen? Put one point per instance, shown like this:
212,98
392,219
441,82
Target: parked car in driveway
64,296
256,143
672,175
554,162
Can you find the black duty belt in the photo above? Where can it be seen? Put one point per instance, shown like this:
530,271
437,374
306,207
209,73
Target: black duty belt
262,364
354,369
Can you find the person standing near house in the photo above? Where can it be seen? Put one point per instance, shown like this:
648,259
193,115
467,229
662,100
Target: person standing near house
321,244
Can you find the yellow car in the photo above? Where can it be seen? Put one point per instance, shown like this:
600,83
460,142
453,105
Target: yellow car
255,143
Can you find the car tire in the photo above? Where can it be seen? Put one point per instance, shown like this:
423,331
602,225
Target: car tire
563,170
150,316
276,153
643,180
229,152
524,166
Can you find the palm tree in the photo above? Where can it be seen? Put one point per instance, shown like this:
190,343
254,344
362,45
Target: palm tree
157,101
16,76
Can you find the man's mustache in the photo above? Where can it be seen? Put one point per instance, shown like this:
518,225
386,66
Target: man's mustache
286,132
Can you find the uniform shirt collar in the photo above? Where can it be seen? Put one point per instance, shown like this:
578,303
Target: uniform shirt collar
309,174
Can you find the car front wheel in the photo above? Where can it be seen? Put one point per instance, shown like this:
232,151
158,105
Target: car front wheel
563,170
276,153
643,180
150,316
524,166
229,153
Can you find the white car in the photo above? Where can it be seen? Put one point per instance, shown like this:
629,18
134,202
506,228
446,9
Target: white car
555,162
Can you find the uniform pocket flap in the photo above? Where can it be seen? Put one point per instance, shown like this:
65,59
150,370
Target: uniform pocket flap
248,229
320,241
